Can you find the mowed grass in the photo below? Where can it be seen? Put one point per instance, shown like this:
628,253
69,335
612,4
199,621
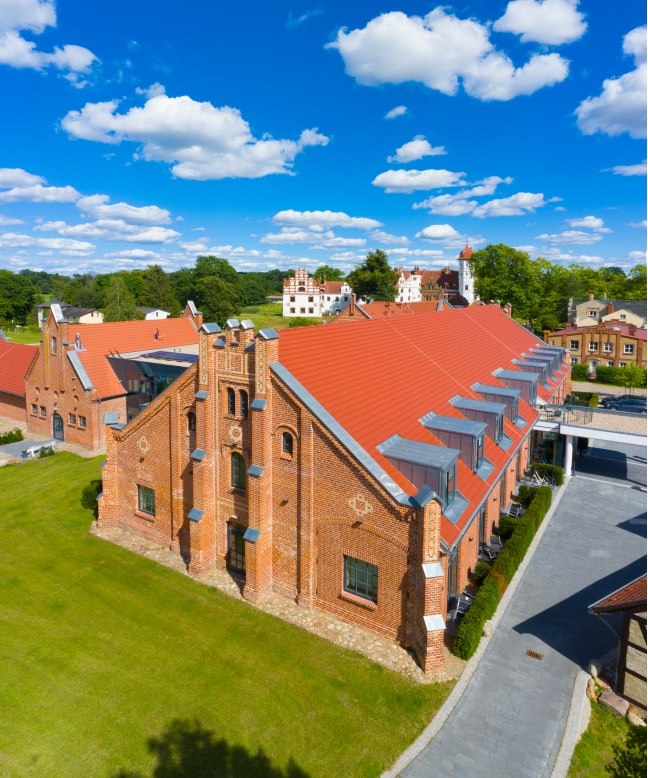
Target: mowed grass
102,651
267,315
28,335
593,753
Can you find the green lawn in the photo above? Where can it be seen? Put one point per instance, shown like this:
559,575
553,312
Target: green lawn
268,315
593,752
112,664
24,335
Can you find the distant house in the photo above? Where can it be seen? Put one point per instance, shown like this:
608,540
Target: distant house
15,360
356,311
455,286
629,602
80,373
608,344
72,313
153,313
304,295
591,311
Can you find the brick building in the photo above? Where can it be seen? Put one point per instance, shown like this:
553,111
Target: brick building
354,468
15,360
610,344
81,371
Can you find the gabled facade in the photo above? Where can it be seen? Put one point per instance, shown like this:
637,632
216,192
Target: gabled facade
354,469
15,360
591,312
80,372
304,295
608,344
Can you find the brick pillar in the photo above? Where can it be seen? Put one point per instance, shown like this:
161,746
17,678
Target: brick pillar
306,529
108,502
258,537
203,537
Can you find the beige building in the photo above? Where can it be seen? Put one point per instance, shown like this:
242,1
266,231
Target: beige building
608,344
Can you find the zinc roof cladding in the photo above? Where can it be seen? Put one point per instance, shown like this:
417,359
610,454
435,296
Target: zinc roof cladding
15,359
631,595
378,378
99,341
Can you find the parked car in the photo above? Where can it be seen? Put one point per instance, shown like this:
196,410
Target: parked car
628,405
614,398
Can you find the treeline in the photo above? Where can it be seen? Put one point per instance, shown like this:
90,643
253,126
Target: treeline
213,284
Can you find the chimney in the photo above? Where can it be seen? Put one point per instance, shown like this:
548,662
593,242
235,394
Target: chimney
590,297
507,309
605,295
77,342
609,308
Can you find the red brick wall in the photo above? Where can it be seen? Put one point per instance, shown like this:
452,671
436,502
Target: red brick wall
12,406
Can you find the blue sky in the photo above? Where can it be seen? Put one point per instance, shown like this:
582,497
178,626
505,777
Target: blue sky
290,134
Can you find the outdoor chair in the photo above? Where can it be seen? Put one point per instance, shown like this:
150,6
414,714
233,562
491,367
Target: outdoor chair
496,542
487,553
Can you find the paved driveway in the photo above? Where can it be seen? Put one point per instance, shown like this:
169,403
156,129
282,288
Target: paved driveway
511,718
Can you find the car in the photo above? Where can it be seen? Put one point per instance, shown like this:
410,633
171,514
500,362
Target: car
614,398
628,405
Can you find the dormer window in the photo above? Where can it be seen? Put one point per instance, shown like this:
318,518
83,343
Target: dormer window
499,425
478,452
448,485
465,435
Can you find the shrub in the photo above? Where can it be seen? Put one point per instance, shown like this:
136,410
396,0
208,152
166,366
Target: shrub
89,496
526,493
13,436
303,321
616,376
590,399
482,569
630,758
506,526
503,569
46,452
555,473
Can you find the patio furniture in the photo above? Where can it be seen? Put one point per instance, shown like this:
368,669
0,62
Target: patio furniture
496,542
487,553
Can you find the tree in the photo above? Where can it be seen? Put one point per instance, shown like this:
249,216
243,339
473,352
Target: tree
17,297
630,758
157,291
218,300
374,278
120,303
328,273
633,375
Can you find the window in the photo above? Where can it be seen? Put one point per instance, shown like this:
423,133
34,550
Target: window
628,348
622,364
82,422
593,346
34,409
72,419
146,500
287,445
43,410
573,361
478,452
574,345
310,299
238,471
292,310
499,427
243,398
310,310
302,310
54,346
610,363
361,578
292,298
622,315
592,312
231,402
191,422
447,485
236,548
607,347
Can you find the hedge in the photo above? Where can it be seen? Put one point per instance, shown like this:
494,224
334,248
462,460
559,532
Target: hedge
13,436
589,399
555,473
503,569
615,376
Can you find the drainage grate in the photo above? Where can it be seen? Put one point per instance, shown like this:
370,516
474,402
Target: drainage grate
534,654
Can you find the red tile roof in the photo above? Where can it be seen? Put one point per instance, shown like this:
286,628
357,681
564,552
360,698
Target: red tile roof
331,287
378,378
15,359
381,310
466,253
632,595
101,340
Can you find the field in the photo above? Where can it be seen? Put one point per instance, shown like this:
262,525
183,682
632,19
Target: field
24,335
115,666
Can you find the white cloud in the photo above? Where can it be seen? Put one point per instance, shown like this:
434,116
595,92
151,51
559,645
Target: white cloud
324,219
417,148
5,221
637,256
317,238
16,240
458,203
621,106
515,205
387,239
438,232
406,181
630,170
200,141
21,185
111,229
552,22
134,254
35,16
571,236
399,110
440,50
97,207
151,91
590,223
639,225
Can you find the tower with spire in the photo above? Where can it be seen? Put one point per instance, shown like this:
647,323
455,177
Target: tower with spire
466,277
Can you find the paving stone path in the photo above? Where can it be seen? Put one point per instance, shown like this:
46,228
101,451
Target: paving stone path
381,650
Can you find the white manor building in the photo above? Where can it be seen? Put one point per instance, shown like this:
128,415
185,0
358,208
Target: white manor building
304,295
415,286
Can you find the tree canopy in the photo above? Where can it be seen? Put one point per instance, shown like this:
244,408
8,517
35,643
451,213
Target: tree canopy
374,278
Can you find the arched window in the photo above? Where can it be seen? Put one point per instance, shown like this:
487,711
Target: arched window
231,402
287,443
54,346
243,399
191,422
238,471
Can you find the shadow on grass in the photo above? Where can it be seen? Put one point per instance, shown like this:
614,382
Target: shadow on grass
187,750
89,496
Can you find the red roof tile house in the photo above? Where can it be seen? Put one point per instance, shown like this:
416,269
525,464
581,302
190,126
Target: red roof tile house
82,371
15,360
353,468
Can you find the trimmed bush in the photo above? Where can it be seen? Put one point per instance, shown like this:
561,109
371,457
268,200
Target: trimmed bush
555,473
13,436
590,399
503,569
89,496
506,526
526,493
615,376
482,569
